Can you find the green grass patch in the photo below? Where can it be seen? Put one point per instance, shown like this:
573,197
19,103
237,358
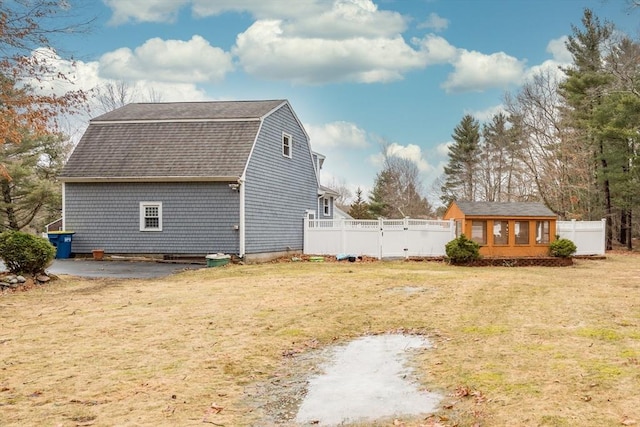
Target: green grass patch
600,334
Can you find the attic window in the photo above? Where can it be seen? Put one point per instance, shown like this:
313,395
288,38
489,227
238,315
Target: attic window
286,145
150,216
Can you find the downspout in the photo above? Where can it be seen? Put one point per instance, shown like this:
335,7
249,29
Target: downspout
64,210
242,234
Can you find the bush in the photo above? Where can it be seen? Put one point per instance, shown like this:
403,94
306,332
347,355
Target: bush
462,250
25,253
562,248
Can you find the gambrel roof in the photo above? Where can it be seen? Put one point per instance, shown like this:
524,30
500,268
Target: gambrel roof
504,209
169,141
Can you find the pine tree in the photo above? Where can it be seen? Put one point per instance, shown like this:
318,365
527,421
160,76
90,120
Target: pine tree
460,171
359,208
583,90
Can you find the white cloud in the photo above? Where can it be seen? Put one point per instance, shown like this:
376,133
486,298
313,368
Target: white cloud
262,9
437,50
558,49
190,61
410,152
475,71
339,135
561,58
144,10
264,50
487,114
443,149
435,23
347,19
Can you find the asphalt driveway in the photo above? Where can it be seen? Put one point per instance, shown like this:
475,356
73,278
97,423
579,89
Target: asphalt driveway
115,269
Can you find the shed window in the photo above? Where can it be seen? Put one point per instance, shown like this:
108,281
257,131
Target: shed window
500,232
479,232
286,145
522,232
150,216
542,232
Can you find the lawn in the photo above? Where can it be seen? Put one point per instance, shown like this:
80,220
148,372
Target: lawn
531,346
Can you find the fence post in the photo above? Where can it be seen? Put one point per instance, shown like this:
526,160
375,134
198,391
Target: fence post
305,232
380,235
405,232
452,229
573,230
603,241
343,236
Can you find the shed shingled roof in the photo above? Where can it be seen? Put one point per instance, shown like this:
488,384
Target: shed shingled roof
507,209
187,140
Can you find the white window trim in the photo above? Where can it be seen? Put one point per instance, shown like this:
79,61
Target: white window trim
326,206
144,205
287,137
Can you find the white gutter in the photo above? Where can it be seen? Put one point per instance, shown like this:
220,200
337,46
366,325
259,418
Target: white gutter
242,246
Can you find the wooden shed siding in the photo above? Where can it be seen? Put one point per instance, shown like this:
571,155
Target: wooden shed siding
198,217
278,189
491,249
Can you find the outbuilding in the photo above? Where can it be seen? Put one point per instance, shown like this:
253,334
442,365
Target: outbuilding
505,229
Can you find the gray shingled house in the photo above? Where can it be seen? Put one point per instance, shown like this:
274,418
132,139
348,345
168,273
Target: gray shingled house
193,178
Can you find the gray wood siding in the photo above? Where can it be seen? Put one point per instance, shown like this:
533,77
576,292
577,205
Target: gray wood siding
198,217
278,189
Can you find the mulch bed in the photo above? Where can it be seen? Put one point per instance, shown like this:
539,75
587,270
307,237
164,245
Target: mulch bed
522,262
483,262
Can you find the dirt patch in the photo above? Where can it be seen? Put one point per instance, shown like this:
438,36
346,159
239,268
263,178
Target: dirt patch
277,400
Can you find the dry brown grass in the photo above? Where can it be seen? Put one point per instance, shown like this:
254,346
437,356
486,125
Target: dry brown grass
514,346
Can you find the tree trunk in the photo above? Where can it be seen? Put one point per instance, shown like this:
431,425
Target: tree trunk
12,222
622,237
629,230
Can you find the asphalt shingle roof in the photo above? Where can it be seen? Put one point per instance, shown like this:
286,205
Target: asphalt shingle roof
511,209
176,140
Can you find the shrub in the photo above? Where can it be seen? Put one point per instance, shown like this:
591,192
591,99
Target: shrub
562,248
25,253
462,250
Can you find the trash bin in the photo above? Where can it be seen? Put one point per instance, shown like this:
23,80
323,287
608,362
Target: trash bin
62,242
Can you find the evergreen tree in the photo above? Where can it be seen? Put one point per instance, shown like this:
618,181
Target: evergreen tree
359,208
379,206
583,90
460,171
30,194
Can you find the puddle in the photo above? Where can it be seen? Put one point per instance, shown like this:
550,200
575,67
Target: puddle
365,380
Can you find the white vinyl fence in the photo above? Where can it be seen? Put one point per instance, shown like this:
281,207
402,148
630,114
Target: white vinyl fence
589,236
391,238
378,238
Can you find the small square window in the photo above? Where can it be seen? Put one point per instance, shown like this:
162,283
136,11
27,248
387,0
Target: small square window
286,145
150,216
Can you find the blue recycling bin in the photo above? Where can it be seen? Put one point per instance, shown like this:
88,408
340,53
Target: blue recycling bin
62,241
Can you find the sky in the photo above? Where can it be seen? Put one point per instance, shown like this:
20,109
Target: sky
360,74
